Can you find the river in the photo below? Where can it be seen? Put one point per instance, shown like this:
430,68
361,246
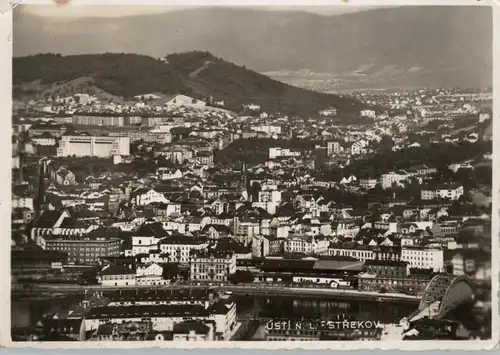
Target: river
25,313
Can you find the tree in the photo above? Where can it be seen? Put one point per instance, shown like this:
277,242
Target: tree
241,276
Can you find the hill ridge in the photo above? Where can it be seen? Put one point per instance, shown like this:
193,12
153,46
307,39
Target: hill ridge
128,75
433,38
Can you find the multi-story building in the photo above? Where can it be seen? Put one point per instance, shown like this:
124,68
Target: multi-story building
413,284
360,252
270,196
367,113
147,237
368,183
387,180
206,159
445,191
45,139
212,264
83,250
96,120
246,229
143,197
332,148
143,296
150,136
423,258
84,144
22,202
282,153
39,128
306,244
153,121
387,268
117,275
193,331
179,248
463,263
268,129
164,317
328,112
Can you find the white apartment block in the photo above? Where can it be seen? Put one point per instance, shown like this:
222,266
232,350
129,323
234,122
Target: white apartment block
212,265
144,244
367,113
386,180
360,253
268,129
179,250
450,192
148,197
307,245
270,196
22,202
98,120
423,258
282,153
332,148
82,145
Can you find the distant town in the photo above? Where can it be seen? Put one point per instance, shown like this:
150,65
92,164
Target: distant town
174,218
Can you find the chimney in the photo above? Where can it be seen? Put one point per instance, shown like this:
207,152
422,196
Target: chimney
20,151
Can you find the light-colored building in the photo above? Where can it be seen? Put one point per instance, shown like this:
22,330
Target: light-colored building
193,331
166,317
282,153
22,202
268,129
84,144
423,258
168,173
179,249
270,196
387,180
444,191
117,275
143,197
183,100
463,265
45,139
212,264
367,113
98,120
328,112
359,252
368,183
333,148
306,244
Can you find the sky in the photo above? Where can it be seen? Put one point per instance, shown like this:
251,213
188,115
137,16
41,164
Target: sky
76,10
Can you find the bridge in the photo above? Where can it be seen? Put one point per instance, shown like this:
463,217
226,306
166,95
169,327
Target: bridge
443,294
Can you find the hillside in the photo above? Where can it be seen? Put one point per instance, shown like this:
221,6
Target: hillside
437,46
198,74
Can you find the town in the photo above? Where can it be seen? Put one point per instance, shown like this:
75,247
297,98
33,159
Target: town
160,210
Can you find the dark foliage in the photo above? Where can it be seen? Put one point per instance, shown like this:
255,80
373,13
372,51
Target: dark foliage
241,276
198,74
436,155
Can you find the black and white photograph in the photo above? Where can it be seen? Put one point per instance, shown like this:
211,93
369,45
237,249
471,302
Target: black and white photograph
274,174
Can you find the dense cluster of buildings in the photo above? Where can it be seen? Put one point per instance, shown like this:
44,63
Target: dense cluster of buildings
165,206
142,315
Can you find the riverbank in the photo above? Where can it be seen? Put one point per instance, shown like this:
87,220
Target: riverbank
49,290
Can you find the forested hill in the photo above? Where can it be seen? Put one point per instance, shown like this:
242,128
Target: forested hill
198,74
